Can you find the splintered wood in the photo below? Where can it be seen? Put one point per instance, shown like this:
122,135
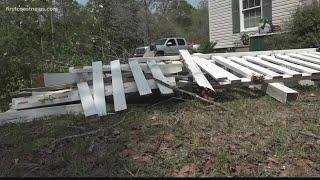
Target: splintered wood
89,90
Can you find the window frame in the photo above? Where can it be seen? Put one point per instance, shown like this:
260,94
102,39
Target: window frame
242,28
184,42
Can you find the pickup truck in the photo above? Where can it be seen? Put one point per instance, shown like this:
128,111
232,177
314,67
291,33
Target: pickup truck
165,47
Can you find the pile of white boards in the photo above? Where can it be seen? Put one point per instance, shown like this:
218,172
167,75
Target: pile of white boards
88,90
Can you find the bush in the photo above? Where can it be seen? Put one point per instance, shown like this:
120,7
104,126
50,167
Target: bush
303,30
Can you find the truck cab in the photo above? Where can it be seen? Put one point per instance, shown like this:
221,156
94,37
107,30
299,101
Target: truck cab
165,47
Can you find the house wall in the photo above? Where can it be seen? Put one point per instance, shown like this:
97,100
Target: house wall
220,19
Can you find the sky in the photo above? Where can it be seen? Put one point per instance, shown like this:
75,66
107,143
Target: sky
193,2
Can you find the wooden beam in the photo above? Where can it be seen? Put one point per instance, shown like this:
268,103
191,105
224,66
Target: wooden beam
272,66
159,58
311,55
195,71
119,98
156,72
86,99
255,53
139,78
305,58
298,61
29,115
248,73
256,68
289,65
281,92
212,70
167,69
55,79
43,99
98,89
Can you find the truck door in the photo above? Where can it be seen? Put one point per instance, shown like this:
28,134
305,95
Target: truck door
181,44
171,47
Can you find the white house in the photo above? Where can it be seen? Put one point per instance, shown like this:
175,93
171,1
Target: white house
229,18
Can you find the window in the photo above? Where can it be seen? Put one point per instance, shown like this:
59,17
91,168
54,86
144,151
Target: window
160,41
171,42
251,14
181,42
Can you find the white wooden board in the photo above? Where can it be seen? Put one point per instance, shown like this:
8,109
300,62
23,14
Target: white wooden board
272,66
212,70
255,67
98,89
298,61
289,65
156,72
86,99
247,73
305,58
139,78
117,87
194,69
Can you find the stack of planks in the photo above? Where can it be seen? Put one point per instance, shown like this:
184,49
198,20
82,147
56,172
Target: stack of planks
88,90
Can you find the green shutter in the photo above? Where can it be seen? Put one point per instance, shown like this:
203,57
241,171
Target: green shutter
236,16
267,9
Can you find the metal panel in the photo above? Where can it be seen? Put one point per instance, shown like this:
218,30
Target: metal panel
156,72
98,89
117,87
86,99
139,78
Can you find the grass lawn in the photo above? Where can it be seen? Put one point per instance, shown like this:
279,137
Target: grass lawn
187,138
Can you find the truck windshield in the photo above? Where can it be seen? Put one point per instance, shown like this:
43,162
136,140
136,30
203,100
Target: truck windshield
160,41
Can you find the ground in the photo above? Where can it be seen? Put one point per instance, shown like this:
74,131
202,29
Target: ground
260,138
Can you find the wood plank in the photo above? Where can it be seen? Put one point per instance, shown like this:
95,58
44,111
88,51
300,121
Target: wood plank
167,68
298,61
156,72
281,92
98,89
272,66
29,115
255,67
43,99
159,58
212,70
119,98
55,79
305,58
311,55
289,65
317,53
194,69
86,99
247,73
139,78
255,53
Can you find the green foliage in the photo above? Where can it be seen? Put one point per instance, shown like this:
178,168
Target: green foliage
303,30
207,47
37,42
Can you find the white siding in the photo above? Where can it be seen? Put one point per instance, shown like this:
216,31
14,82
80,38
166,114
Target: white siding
220,19
220,23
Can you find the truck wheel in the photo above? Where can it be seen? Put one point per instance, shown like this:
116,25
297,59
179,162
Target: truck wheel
160,53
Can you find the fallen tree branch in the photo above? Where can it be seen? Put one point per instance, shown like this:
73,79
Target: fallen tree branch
309,134
192,94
